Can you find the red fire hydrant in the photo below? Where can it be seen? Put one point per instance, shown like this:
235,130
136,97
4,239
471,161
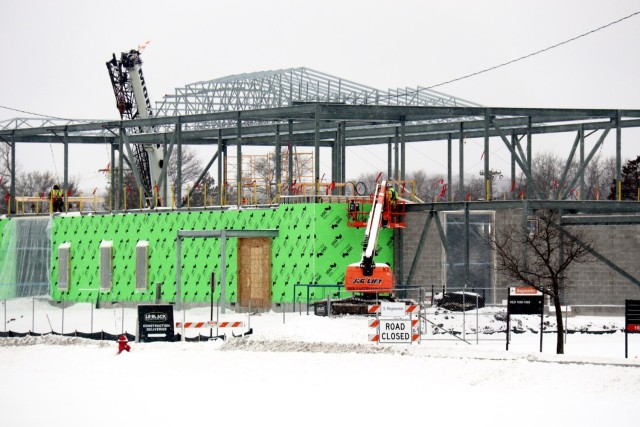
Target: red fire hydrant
123,344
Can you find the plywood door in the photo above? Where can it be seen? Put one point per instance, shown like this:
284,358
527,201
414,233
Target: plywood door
254,272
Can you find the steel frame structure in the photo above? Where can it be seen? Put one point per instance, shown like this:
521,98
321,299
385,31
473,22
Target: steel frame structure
338,126
288,87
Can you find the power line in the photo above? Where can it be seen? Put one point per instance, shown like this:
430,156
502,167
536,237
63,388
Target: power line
33,114
533,53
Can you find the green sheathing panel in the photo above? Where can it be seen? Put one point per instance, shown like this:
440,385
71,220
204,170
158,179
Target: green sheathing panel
314,245
6,292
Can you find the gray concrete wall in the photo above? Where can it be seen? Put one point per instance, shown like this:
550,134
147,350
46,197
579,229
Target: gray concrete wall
590,284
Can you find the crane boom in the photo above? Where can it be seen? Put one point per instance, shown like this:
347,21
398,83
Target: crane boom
132,101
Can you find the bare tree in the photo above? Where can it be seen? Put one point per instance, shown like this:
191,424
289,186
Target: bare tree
540,257
191,166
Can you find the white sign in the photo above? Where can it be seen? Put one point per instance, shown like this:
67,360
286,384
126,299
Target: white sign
393,310
395,332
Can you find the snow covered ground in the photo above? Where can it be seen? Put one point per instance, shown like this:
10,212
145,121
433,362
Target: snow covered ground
308,370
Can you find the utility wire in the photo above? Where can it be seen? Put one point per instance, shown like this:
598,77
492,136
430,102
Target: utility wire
533,53
33,114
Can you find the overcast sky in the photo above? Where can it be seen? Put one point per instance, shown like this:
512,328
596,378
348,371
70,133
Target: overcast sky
54,53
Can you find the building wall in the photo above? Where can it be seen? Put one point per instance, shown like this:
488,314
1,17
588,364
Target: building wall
590,283
314,245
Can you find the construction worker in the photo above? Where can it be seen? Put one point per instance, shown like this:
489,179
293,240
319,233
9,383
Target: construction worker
393,196
57,202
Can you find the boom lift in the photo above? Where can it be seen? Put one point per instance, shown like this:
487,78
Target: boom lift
367,276
368,280
132,101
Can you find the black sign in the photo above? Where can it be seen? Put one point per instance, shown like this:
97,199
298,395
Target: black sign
525,300
632,315
155,323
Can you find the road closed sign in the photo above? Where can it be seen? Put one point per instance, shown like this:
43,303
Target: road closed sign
395,332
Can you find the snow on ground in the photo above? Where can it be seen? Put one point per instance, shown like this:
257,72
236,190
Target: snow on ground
307,370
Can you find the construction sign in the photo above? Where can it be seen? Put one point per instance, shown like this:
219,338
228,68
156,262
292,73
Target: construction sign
394,323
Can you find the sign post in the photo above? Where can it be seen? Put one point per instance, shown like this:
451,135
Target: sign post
213,289
525,300
631,322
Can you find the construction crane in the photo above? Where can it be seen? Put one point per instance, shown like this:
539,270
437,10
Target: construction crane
132,101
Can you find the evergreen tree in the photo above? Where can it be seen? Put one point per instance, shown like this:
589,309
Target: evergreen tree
630,181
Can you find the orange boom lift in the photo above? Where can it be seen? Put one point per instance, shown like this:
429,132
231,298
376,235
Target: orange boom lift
367,276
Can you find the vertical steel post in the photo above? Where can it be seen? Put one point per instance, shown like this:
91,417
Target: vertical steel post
278,162
12,195
343,157
466,244
582,183
618,157
487,172
220,162
396,162
449,172
290,160
390,159
403,151
514,145
316,143
179,166
112,175
165,173
239,160
461,161
529,151
121,185
66,170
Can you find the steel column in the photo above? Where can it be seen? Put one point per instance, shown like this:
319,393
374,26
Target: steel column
278,161
121,188
514,143
461,161
582,182
487,173
12,196
618,157
179,164
404,150
112,178
239,160
528,159
290,165
449,172
65,172
220,162
316,140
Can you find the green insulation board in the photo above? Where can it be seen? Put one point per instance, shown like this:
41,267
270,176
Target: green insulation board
313,246
6,292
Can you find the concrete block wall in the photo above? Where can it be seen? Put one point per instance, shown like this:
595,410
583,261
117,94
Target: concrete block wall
590,284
